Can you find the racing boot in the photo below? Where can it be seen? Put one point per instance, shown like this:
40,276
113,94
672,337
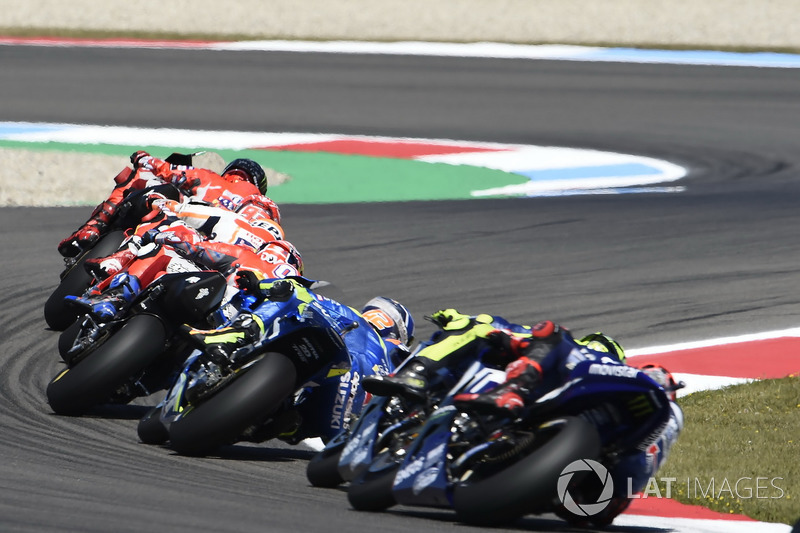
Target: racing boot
87,235
411,381
219,344
104,267
522,376
107,305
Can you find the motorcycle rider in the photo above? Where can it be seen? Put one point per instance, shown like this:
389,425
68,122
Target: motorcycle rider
536,361
460,337
241,178
391,326
249,239
382,330
276,259
251,225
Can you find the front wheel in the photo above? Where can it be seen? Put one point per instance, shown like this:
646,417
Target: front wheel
95,378
372,489
222,418
513,492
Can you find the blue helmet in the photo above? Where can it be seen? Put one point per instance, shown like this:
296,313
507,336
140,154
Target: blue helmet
391,319
252,172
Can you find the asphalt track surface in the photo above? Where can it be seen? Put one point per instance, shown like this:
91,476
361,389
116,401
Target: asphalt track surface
719,259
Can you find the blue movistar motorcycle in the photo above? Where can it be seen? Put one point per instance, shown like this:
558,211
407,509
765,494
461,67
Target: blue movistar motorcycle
494,468
388,422
298,381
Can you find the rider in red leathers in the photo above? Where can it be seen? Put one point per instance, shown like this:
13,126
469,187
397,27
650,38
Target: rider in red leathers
127,181
240,179
250,225
213,237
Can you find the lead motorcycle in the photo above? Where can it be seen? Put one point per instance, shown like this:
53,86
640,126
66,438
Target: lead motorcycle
492,468
298,381
141,350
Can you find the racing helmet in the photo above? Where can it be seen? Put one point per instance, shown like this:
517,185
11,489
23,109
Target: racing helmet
249,170
258,206
391,319
271,226
600,342
282,252
663,377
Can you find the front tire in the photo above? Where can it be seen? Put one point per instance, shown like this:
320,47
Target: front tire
222,418
513,492
372,489
95,378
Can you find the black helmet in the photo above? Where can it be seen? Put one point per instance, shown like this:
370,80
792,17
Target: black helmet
252,170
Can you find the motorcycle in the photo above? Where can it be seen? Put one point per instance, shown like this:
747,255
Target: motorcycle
139,352
493,468
298,381
74,279
387,422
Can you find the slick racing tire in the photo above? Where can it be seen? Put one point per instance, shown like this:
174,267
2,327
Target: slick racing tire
323,468
515,491
96,377
222,418
372,489
150,428
75,281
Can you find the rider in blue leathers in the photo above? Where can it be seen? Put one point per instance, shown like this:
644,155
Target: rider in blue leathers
379,334
537,360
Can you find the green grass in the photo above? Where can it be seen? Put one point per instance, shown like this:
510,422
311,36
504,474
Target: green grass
739,432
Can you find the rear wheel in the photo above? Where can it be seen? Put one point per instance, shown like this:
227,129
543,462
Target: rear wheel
101,373
513,492
248,399
56,313
150,428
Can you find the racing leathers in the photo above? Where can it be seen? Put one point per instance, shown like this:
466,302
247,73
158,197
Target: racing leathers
165,242
194,223
126,182
152,174
205,185
537,360
361,340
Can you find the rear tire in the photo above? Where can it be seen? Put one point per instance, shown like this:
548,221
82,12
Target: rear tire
514,491
221,419
56,312
94,379
150,428
323,468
